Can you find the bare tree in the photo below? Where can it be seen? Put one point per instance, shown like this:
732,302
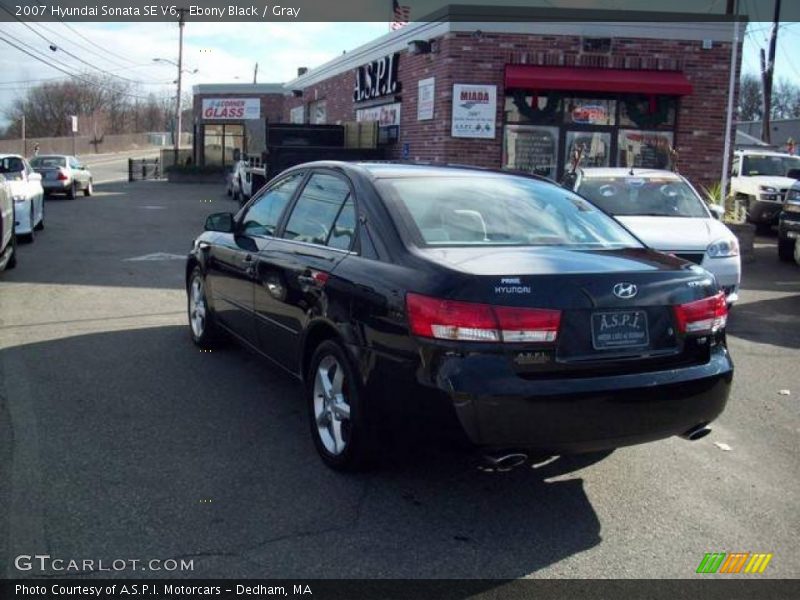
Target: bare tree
750,98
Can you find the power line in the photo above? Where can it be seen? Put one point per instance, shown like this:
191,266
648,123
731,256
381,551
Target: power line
53,46
73,75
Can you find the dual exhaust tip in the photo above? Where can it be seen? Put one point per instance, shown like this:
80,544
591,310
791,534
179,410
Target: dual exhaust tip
506,461
697,432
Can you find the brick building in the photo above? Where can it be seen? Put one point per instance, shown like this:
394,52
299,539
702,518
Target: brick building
227,117
528,93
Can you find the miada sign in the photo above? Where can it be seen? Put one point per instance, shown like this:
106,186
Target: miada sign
231,108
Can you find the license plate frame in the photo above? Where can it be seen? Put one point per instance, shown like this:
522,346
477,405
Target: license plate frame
628,329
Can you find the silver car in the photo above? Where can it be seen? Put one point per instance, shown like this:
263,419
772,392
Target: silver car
63,174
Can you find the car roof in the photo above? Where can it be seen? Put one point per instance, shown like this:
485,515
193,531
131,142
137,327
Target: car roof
9,155
603,172
392,170
764,153
52,156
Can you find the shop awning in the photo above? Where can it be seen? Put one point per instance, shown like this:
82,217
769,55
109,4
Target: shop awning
584,79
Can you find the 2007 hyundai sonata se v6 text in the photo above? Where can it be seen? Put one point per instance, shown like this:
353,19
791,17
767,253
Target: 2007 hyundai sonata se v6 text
540,320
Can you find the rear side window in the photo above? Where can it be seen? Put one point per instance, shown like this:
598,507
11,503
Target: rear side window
317,210
263,215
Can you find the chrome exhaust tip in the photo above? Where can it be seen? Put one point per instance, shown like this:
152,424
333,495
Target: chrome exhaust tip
503,461
697,432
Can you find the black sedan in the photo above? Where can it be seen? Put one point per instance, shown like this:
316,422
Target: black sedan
537,318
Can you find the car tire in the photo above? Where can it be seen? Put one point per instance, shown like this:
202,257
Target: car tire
785,248
12,260
73,191
202,327
89,189
797,251
337,409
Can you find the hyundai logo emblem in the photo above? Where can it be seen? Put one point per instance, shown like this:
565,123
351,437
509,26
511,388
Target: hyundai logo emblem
625,290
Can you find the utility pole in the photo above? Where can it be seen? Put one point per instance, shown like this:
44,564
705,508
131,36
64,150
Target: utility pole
767,71
178,125
255,74
24,140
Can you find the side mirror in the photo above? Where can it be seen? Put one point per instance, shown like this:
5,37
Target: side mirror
716,211
222,222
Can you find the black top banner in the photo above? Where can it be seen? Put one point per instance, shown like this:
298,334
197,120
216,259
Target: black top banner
740,588
363,10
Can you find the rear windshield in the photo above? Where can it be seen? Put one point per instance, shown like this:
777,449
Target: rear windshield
638,196
46,162
499,211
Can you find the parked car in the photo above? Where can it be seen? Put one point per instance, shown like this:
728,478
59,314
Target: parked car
239,180
541,321
789,226
664,211
8,239
760,180
26,190
63,174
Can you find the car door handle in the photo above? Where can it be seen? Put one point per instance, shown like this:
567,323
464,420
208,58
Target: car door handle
248,258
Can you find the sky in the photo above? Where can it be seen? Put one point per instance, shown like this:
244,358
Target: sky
227,52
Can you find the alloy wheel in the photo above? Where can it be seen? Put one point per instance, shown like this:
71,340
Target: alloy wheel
197,307
331,406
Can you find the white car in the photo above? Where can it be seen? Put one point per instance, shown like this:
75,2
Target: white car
760,181
664,211
25,187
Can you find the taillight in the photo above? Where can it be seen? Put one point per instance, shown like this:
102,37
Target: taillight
469,321
62,176
702,316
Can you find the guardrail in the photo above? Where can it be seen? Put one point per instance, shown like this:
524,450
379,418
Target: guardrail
140,169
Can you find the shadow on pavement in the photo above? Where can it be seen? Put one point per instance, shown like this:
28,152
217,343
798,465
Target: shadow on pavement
125,235
768,273
151,448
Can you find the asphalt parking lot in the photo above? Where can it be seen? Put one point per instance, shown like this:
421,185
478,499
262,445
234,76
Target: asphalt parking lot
119,439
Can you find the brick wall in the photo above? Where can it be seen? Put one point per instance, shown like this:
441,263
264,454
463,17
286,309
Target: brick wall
462,58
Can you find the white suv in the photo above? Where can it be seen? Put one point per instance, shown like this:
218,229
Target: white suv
760,181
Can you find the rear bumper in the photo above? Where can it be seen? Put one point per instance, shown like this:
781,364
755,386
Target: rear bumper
497,408
56,186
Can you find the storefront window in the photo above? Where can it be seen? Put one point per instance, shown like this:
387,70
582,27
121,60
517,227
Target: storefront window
590,111
212,144
647,113
531,149
220,142
521,107
234,140
645,149
593,148
318,113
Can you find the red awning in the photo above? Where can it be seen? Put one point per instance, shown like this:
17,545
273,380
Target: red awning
584,79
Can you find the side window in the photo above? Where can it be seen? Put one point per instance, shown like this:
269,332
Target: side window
73,163
263,216
344,229
315,212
